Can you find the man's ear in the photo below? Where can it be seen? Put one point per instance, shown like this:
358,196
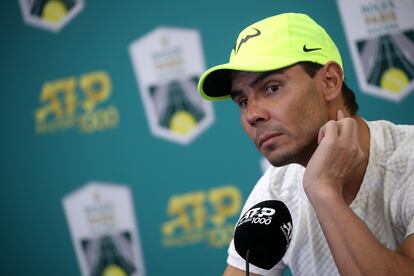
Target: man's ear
332,79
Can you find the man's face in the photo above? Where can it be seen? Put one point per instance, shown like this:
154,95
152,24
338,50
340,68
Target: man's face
282,112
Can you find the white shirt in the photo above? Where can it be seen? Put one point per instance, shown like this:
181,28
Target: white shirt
385,202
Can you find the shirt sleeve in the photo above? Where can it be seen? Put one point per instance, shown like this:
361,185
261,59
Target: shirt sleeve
408,207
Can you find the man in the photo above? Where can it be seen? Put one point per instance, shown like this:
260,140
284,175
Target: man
348,183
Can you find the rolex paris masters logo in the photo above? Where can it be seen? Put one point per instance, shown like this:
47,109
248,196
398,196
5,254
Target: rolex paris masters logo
167,64
380,36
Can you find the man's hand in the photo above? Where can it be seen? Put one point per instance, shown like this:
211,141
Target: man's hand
336,159
331,181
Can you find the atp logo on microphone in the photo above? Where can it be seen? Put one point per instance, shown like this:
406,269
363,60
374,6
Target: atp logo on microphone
263,233
260,215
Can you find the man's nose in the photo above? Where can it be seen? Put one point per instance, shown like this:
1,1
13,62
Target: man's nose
255,112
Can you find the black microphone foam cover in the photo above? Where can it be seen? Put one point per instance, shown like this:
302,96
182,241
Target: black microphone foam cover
266,230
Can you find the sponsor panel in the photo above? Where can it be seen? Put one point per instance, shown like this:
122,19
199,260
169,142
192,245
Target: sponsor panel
51,15
167,63
380,36
104,232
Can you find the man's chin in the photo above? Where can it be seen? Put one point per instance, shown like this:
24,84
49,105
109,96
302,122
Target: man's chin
282,156
278,161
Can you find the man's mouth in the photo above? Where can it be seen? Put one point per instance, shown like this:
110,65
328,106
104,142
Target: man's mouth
263,139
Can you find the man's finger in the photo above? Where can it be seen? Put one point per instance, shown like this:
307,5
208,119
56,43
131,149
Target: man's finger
340,115
330,129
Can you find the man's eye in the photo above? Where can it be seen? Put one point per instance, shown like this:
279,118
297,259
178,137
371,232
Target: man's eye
271,89
242,102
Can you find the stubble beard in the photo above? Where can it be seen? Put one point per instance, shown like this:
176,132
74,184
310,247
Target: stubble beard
299,155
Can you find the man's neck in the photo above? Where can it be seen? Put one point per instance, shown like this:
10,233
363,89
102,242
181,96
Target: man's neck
353,186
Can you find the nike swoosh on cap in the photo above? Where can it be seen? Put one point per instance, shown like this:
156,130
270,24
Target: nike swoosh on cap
305,49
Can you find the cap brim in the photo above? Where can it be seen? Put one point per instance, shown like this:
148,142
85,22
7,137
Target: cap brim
215,83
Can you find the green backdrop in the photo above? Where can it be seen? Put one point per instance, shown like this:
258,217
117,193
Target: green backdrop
37,171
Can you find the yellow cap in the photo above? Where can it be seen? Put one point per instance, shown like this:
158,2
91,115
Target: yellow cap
270,44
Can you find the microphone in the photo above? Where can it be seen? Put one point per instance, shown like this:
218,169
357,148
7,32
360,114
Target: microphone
263,234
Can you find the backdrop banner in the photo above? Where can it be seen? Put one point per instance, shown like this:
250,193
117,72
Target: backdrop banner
104,233
50,15
168,62
381,39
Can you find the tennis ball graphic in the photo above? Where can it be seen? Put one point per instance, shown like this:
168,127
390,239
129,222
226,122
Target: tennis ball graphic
54,11
113,270
182,122
394,80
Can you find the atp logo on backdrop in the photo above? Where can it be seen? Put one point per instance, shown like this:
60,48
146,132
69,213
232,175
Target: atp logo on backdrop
76,102
202,216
